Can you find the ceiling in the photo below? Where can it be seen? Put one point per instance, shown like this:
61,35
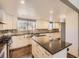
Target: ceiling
35,8
10,6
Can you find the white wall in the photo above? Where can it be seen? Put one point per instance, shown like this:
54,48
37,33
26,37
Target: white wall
72,31
10,6
42,24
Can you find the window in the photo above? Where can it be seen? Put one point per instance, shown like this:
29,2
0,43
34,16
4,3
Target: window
50,26
54,25
26,24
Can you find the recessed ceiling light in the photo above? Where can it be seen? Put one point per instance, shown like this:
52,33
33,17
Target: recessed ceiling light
22,2
51,12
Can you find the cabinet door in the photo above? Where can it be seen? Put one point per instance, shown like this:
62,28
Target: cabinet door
38,51
1,14
14,22
61,54
8,22
42,52
34,49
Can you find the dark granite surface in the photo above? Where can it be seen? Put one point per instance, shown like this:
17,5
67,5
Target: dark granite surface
34,32
52,46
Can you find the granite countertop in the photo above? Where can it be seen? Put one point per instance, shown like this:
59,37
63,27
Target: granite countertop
52,46
35,32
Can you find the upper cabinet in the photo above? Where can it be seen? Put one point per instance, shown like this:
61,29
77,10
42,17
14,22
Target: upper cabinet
9,20
1,15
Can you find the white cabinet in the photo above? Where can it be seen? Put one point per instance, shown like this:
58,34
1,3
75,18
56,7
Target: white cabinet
14,22
1,17
40,52
9,20
61,54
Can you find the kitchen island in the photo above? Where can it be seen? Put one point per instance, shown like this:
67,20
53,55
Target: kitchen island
43,47
43,44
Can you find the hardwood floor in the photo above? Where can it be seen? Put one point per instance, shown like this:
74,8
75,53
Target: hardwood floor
31,56
27,56
70,56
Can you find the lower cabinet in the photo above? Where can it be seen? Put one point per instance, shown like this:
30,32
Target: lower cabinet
40,52
61,54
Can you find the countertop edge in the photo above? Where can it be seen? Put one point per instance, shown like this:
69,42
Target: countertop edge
56,51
